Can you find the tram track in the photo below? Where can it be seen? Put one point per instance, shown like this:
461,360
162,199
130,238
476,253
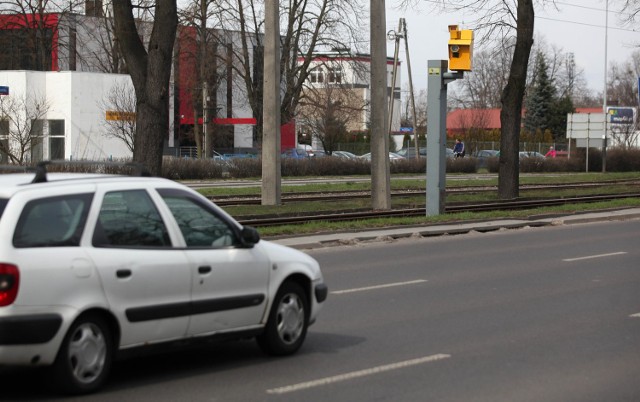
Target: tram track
225,201
414,212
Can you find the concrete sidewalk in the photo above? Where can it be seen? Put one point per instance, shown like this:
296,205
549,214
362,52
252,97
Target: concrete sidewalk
345,238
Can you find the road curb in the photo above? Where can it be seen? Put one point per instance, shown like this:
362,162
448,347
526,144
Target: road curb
391,234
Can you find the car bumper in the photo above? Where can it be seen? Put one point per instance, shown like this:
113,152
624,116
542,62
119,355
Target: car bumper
29,329
30,336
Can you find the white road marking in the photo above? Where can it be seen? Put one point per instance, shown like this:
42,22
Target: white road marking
635,315
388,285
356,374
589,257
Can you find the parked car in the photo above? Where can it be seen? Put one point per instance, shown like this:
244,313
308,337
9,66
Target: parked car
344,155
530,154
484,156
295,153
95,265
411,152
392,156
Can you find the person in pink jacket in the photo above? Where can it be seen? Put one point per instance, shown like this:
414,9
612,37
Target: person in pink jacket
551,153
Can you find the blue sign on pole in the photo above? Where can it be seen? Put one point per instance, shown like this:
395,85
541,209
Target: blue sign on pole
621,115
4,90
406,129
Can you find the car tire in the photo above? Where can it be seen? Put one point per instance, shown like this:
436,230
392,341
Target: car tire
84,359
288,322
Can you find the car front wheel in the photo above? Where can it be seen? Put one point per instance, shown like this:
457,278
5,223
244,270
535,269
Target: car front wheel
288,321
84,360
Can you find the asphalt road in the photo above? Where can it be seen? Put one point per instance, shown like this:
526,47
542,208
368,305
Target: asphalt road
539,314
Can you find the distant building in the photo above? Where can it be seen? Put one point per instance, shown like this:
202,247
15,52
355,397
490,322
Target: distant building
73,127
340,76
84,43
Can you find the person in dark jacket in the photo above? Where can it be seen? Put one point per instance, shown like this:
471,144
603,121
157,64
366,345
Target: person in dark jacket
458,149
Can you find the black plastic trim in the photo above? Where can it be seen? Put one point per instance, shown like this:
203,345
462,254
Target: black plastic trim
321,292
230,303
148,313
29,329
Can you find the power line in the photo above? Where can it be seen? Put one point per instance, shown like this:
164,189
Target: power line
588,25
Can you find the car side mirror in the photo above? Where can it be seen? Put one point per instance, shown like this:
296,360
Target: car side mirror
250,235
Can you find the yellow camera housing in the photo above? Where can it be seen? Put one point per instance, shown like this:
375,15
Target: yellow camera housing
460,49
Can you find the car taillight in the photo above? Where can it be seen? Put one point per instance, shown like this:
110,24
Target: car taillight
9,282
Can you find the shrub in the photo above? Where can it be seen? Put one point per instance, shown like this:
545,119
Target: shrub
461,165
618,160
623,160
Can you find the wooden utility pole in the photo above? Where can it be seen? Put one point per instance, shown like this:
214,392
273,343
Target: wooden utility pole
413,101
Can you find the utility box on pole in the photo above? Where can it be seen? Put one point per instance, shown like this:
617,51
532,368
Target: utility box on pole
460,54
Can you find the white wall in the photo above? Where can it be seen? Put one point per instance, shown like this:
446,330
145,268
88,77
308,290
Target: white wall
74,97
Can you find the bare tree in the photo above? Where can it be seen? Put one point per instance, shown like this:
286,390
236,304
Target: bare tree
28,29
119,105
622,85
308,26
150,72
482,88
625,135
329,112
21,126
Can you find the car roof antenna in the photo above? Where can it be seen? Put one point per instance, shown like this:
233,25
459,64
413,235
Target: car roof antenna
41,173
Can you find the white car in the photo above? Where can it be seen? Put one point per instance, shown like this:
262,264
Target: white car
95,265
392,156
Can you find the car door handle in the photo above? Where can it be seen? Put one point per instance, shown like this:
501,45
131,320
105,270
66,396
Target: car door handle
123,273
204,269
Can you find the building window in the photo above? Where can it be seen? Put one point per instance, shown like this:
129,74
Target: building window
317,75
56,139
4,141
36,140
335,75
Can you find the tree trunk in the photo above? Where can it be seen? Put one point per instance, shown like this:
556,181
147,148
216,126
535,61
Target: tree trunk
512,96
150,72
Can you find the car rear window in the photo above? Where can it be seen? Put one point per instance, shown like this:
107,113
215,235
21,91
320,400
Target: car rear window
52,221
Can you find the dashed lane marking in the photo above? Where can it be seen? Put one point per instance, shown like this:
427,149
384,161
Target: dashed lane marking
589,257
388,285
356,374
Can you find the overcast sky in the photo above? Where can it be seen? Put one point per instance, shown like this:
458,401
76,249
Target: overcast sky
577,26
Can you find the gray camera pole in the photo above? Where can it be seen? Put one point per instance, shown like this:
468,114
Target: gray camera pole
437,82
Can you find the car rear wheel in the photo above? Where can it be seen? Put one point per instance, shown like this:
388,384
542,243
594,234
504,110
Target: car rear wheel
84,360
288,321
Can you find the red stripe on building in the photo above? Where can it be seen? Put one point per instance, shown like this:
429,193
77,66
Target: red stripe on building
237,120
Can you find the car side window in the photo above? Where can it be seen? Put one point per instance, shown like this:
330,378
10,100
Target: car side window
199,225
52,221
130,219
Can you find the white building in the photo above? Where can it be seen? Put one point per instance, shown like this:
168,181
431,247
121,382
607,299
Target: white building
73,126
339,69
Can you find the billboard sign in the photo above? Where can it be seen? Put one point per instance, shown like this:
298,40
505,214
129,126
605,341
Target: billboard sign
621,115
586,125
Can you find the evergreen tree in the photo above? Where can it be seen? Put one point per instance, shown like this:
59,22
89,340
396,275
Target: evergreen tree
540,102
558,117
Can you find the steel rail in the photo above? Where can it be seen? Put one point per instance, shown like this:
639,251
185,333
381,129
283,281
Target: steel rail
224,201
413,212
